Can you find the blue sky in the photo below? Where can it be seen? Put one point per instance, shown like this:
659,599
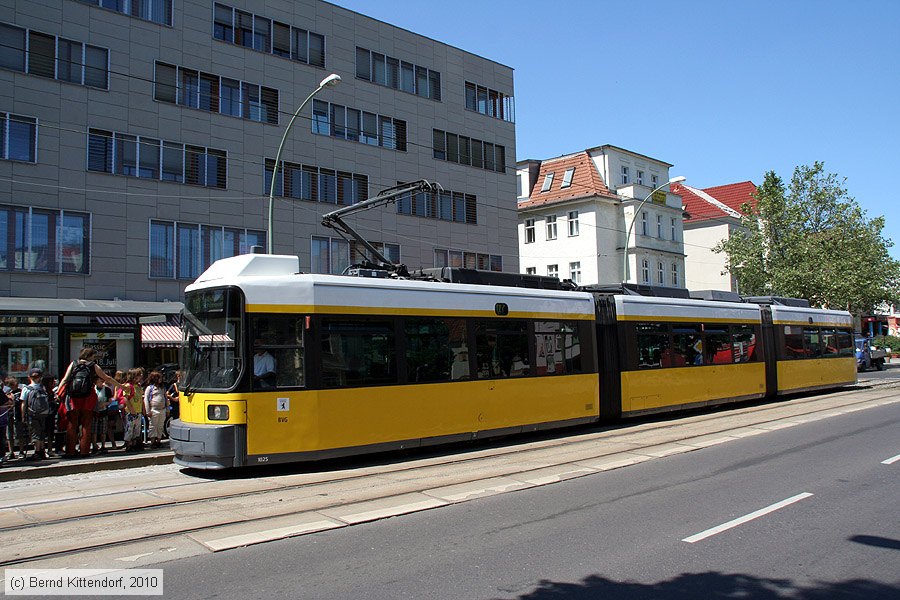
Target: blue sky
724,90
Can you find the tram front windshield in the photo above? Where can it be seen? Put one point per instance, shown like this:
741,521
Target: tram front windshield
212,348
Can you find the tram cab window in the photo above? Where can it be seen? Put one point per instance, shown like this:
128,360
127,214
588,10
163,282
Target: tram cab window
830,346
793,342
687,346
743,343
280,336
213,333
501,349
812,339
557,348
652,345
717,344
436,350
357,352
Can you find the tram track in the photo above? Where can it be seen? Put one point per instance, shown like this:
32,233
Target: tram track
314,494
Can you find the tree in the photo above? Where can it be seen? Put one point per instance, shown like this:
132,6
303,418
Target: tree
812,240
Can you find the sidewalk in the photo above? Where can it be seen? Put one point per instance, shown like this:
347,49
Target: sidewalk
13,470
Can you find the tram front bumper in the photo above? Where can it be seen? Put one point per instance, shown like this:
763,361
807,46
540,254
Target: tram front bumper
201,446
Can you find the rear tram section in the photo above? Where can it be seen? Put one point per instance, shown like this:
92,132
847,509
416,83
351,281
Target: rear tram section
372,364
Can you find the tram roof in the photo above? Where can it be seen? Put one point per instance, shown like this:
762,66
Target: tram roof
274,284
630,308
792,315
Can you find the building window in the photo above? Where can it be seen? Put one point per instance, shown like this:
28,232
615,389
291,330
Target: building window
148,158
645,271
53,57
359,254
575,272
573,223
674,229
211,93
553,271
654,181
19,137
306,182
397,74
184,250
640,177
265,35
567,178
529,231
624,175
44,240
468,151
674,274
358,126
329,255
551,227
660,273
548,182
490,102
531,270
659,227
645,227
468,260
445,205
157,11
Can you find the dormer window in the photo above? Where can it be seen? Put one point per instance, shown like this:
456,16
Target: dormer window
548,182
567,178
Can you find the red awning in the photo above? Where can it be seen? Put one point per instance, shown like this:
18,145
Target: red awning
160,335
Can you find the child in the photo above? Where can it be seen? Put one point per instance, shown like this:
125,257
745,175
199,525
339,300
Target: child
133,406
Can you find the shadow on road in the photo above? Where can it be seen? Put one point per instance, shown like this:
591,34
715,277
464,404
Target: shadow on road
694,586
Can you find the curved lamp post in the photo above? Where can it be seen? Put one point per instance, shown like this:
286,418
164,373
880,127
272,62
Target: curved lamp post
678,179
330,81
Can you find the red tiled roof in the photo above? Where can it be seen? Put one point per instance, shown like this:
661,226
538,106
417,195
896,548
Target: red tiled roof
586,181
732,195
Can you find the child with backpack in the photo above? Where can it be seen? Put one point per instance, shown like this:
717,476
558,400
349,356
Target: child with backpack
37,407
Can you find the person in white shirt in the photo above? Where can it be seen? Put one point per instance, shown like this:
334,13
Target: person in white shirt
263,367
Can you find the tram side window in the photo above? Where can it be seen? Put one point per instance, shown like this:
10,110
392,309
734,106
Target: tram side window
830,346
280,336
744,343
687,347
357,352
718,345
557,348
793,342
653,345
811,339
436,350
845,343
501,349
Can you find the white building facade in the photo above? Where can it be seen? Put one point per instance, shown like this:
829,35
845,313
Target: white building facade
575,212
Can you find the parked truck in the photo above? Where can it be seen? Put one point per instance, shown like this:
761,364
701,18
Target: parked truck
868,356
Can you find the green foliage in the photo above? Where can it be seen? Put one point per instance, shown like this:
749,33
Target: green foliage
890,342
812,240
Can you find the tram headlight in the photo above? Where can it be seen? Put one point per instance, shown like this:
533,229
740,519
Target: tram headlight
217,412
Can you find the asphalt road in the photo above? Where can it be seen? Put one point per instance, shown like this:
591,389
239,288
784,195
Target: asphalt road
805,513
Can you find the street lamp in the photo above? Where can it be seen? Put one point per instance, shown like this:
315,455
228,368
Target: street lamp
678,179
330,81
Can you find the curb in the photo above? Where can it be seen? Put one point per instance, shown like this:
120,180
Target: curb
88,465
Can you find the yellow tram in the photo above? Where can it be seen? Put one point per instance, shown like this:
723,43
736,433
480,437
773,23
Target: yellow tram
281,366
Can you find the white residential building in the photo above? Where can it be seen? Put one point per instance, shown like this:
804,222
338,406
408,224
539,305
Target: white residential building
713,214
575,210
